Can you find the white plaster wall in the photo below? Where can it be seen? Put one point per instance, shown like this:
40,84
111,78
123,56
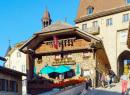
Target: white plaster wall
18,62
109,33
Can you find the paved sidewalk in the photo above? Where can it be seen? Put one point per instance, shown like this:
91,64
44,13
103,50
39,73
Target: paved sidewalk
115,89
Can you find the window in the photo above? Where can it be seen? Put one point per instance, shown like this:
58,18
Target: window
123,36
86,73
90,11
67,55
58,56
102,39
86,54
102,21
23,68
126,18
24,82
14,67
3,85
95,23
18,54
69,74
14,86
109,22
84,26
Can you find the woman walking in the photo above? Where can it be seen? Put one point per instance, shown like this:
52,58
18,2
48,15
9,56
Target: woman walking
108,79
103,80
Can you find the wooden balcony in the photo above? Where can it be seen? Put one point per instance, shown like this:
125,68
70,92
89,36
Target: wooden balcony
93,30
67,63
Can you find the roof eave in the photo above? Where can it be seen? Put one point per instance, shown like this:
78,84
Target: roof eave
57,30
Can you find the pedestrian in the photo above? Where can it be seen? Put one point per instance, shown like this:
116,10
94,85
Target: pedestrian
103,80
89,82
124,78
108,79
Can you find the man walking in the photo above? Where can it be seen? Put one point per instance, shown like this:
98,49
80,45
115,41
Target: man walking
124,78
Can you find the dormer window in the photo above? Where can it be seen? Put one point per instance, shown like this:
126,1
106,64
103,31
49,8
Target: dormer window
90,9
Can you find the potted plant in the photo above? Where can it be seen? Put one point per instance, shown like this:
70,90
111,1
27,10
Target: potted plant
40,80
69,58
39,61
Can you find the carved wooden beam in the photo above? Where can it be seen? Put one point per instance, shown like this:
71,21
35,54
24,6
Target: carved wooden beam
68,41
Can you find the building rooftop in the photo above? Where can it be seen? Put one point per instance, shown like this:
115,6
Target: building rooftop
59,25
11,71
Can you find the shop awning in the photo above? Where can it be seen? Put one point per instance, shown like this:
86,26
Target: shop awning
63,69
34,71
48,69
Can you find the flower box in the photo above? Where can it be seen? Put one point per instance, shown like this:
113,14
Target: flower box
86,57
62,85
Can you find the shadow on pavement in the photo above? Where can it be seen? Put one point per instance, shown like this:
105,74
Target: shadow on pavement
102,92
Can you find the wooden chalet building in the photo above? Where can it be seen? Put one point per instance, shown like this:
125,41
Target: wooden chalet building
72,42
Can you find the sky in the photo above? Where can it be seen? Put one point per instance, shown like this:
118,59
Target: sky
20,19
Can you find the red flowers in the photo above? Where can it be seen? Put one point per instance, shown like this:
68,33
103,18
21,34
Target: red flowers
85,56
62,85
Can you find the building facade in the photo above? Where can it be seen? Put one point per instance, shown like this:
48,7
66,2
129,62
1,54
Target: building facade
10,81
74,45
16,60
109,21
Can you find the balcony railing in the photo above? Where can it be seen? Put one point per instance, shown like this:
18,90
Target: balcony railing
93,30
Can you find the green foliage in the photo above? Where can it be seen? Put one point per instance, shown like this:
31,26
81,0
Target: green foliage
71,79
84,76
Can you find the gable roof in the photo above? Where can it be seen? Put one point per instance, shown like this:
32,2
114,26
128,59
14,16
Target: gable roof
11,71
17,45
59,25
9,48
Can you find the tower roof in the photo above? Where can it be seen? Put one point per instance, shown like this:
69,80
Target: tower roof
46,14
9,48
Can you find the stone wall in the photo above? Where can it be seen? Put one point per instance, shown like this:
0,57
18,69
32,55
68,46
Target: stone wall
84,63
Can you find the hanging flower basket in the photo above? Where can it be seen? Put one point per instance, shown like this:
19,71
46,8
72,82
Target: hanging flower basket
39,61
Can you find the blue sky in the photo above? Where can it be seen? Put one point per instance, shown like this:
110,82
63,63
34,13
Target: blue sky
20,19
128,1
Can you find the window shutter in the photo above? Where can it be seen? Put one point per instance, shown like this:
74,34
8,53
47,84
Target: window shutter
10,85
16,86
0,85
7,87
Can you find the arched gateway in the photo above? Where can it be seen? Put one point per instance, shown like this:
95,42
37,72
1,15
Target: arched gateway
125,55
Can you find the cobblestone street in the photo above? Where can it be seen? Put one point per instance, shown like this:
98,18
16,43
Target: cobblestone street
115,89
